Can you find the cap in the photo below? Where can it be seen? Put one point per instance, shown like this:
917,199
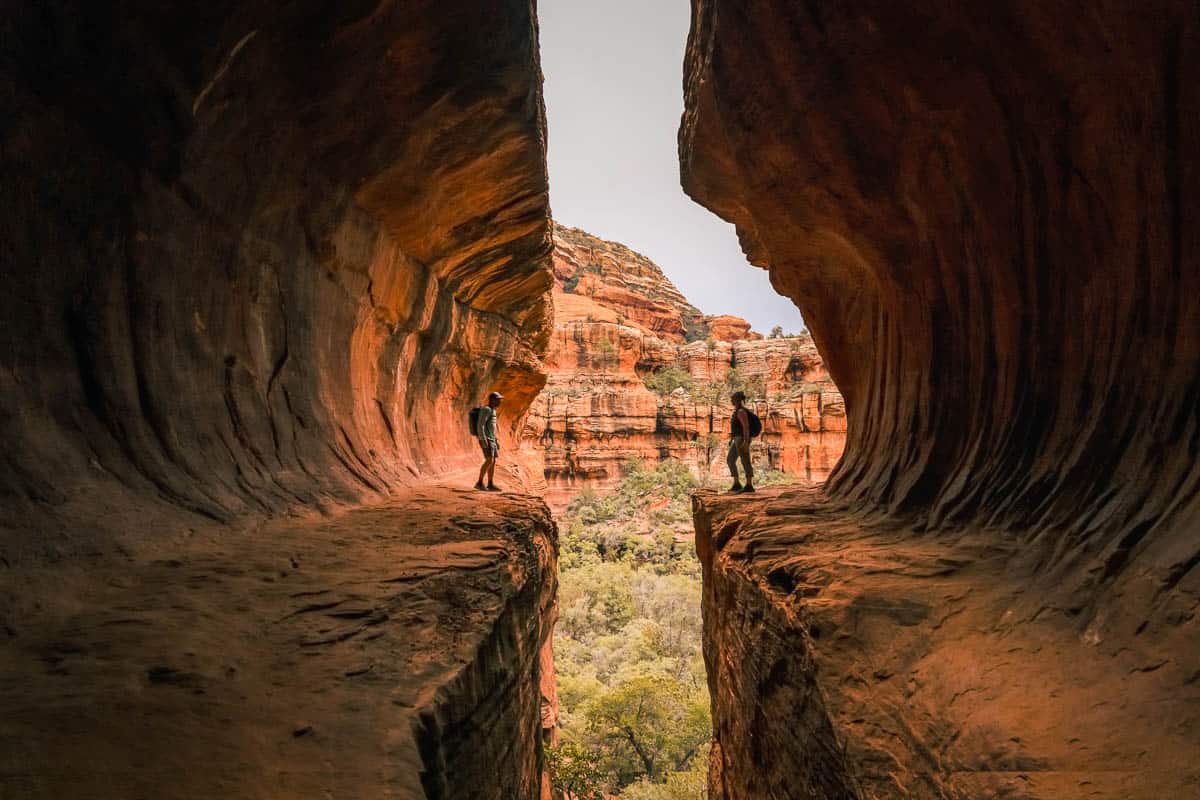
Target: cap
495,396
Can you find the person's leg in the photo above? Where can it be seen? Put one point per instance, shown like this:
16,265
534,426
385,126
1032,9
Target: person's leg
732,460
482,472
491,482
746,465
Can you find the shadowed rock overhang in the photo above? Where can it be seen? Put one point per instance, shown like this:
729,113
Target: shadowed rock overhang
986,216
986,213
261,256
257,261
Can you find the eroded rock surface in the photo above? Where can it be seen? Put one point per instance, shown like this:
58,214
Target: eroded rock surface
860,662
984,225
258,260
984,214
262,257
391,651
617,321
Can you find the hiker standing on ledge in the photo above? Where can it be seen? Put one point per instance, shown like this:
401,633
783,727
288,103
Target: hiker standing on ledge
488,442
740,433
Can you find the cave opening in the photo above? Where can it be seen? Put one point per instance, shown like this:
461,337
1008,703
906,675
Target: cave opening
658,320
259,262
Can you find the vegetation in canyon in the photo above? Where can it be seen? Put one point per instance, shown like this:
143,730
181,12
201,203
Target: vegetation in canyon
634,702
634,706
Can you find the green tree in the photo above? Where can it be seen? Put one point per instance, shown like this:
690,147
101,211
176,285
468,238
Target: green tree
608,352
709,393
599,598
574,771
695,328
776,332
590,508
649,725
576,548
691,784
753,385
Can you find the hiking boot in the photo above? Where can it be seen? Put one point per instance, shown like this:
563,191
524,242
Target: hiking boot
749,489
481,487
494,488
736,489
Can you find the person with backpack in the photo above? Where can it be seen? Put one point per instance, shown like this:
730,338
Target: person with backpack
483,427
744,425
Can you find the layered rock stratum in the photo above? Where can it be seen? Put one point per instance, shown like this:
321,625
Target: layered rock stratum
985,215
619,323
258,260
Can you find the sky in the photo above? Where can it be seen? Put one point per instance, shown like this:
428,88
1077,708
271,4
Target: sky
614,95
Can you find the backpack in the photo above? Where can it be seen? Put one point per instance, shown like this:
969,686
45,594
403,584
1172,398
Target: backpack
755,423
473,420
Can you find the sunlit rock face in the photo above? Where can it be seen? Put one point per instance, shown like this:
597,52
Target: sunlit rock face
258,256
630,287
728,328
983,214
258,261
617,321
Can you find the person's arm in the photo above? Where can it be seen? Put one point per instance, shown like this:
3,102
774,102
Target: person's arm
744,421
493,423
485,415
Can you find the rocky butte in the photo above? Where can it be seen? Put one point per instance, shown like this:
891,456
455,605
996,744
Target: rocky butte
987,214
635,371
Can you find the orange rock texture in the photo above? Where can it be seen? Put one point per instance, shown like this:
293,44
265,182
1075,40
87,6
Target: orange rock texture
264,292
852,661
259,260
984,215
618,321
391,651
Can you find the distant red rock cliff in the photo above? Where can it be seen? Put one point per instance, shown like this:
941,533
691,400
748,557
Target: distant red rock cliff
635,370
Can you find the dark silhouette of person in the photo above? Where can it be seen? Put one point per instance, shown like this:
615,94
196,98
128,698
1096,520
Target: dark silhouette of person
739,444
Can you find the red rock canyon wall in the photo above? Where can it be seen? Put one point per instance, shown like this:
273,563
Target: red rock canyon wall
258,261
986,214
617,321
260,257
985,223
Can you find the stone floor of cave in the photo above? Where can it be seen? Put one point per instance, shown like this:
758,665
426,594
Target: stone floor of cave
942,672
271,651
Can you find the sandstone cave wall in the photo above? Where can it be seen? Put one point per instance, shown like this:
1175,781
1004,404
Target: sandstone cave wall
258,256
986,213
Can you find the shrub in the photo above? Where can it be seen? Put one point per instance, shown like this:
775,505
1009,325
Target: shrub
607,350
667,380
752,385
695,329
575,772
